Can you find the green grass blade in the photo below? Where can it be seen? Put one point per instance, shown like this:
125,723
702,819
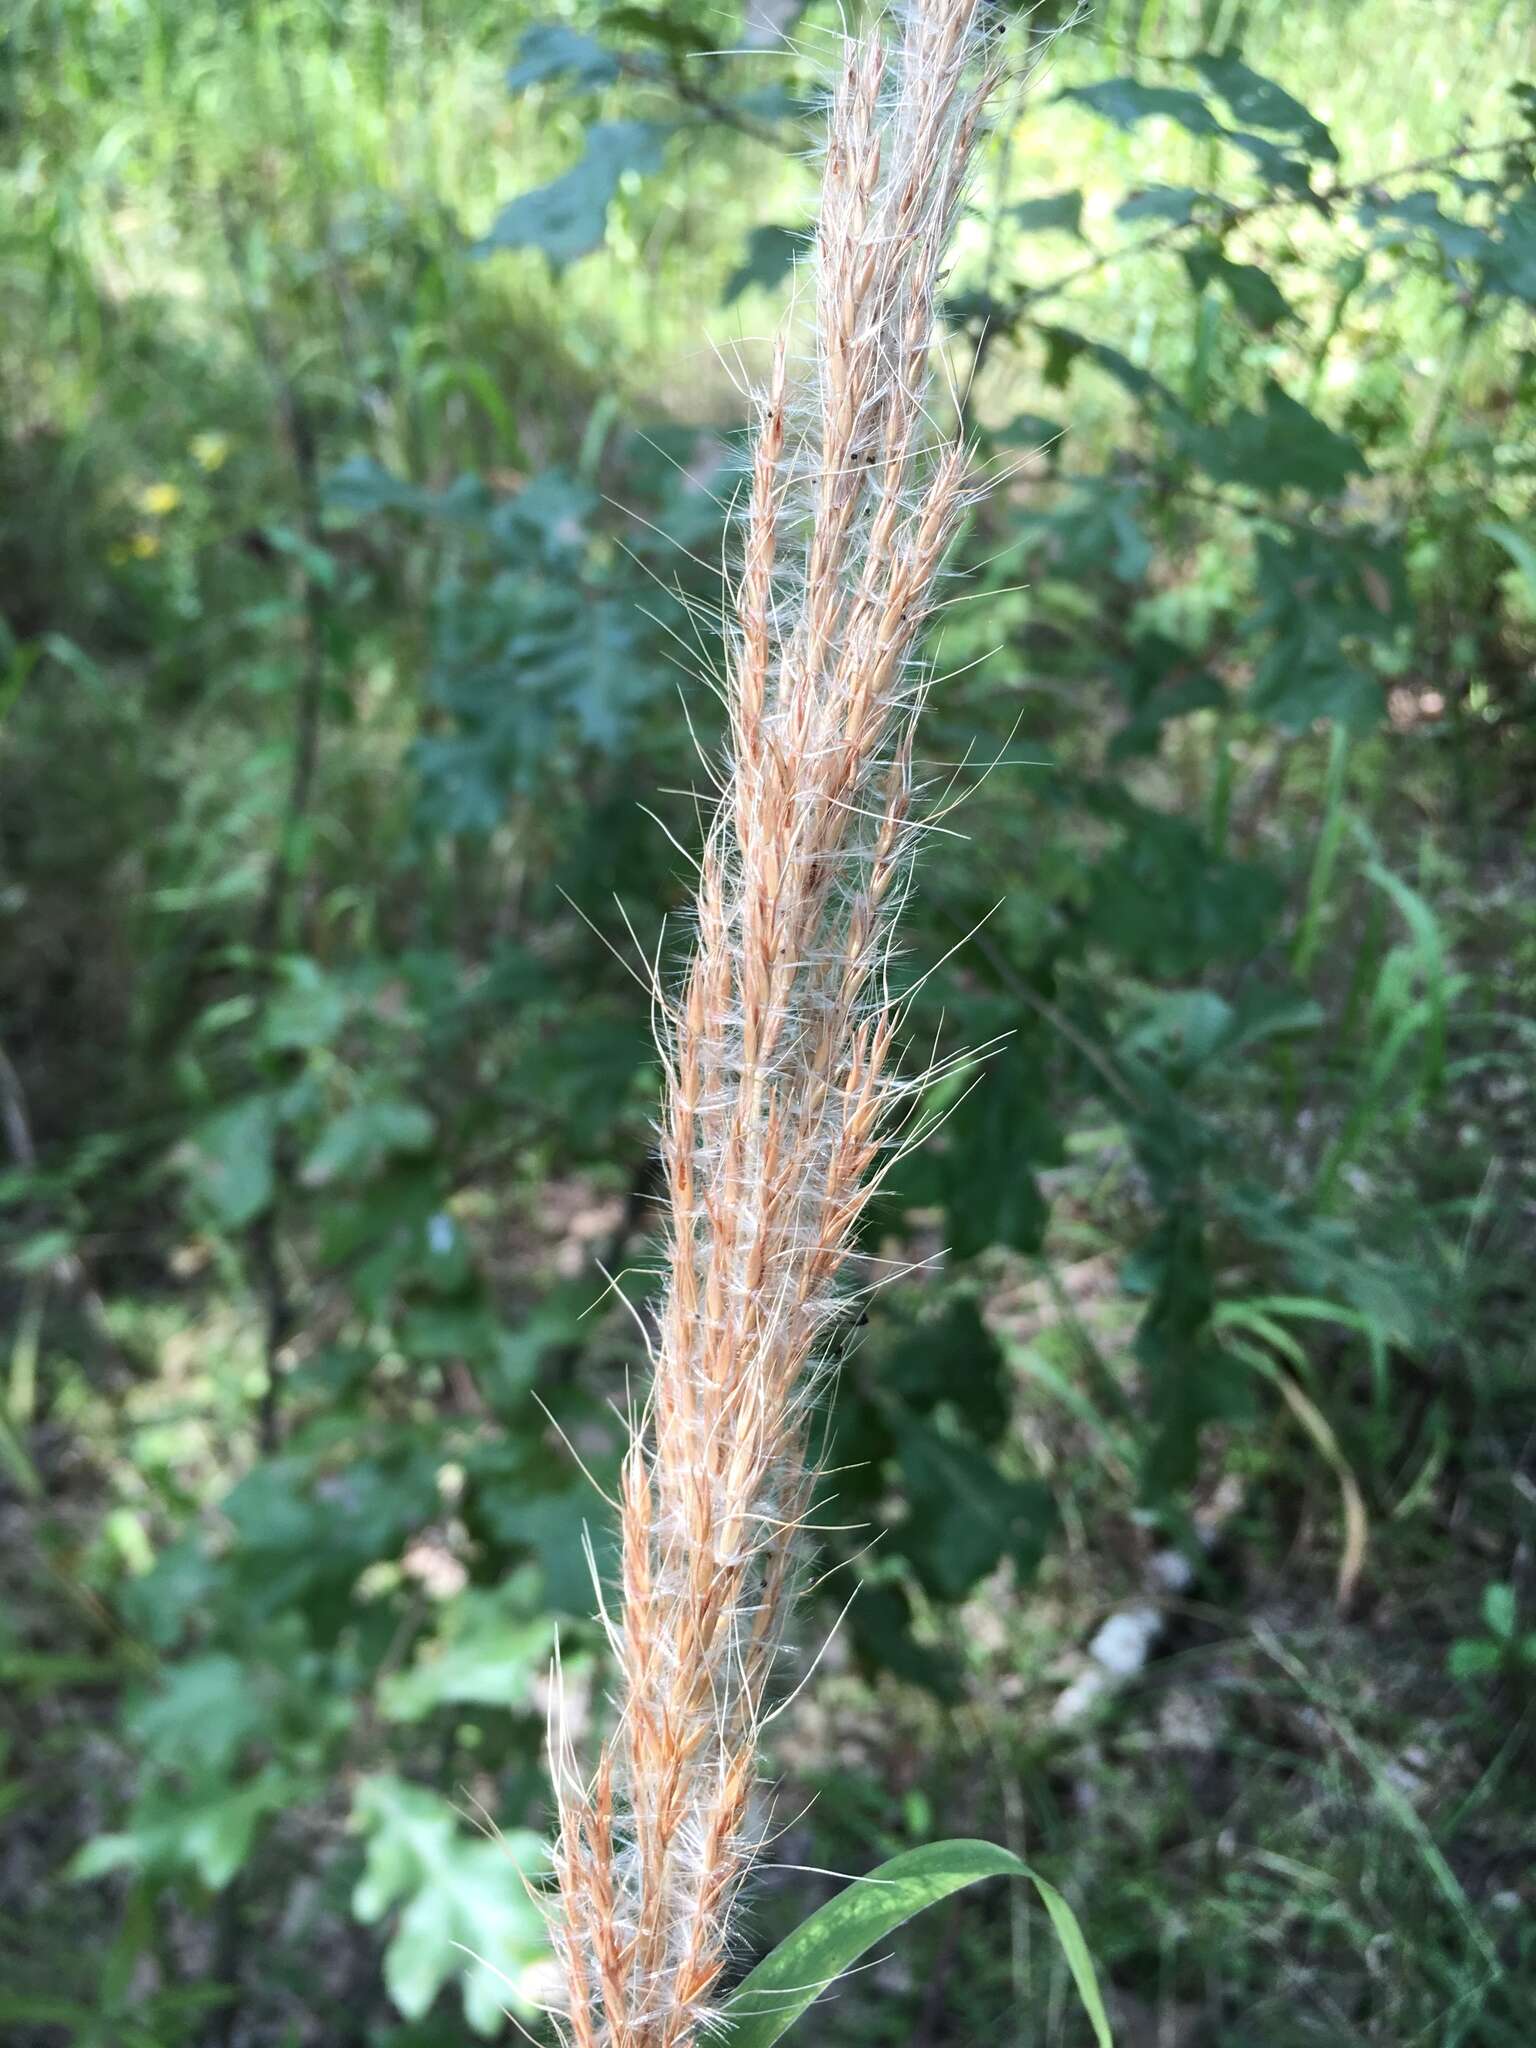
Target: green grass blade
823,1947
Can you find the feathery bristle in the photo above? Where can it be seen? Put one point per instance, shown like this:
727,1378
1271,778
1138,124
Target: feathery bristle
778,1089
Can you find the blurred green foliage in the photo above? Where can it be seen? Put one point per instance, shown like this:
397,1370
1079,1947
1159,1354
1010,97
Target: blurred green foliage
370,433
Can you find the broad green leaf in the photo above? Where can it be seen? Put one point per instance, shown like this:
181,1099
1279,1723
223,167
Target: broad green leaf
1098,528
1419,213
207,1832
951,1357
1278,166
1160,680
1168,906
1126,102
880,1622
550,49
994,1140
489,1649
1173,203
1475,1657
964,1515
1499,1610
362,485
767,2004
1509,266
1284,447
1030,430
1260,103
771,252
36,1254
1252,291
1062,211
542,1508
463,1910
307,1011
204,1713
670,28
1063,346
1326,599
568,217
228,1159
363,1137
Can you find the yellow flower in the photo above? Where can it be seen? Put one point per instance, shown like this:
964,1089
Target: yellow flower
144,546
159,500
209,451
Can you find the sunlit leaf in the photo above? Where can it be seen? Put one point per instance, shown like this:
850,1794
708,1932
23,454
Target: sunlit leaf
769,2001
568,217
1261,103
462,1910
1127,102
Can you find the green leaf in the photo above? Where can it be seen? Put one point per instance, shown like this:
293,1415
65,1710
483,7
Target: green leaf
307,1012
1062,211
1419,213
363,1137
1284,447
771,252
518,1507
1160,680
1033,430
1509,267
1499,1610
43,1250
1126,102
1521,550
1261,103
1165,904
952,1357
881,1624
204,1713
1326,599
208,1833
1272,162
552,50
1252,291
463,1911
964,1516
1475,1658
667,26
362,485
568,217
1097,529
992,1142
782,1987
1063,346
488,1652
228,1159
1173,203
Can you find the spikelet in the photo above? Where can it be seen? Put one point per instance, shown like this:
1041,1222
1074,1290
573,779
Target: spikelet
778,1054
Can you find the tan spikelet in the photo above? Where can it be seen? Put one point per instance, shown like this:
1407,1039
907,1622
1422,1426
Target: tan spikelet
778,1081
